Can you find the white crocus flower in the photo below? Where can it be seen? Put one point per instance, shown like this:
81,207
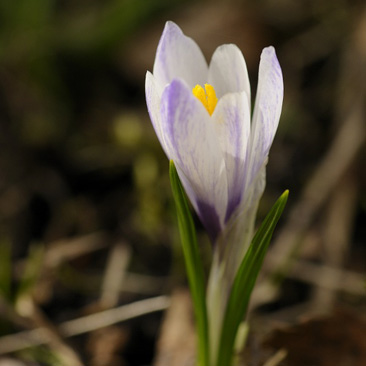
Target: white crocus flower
219,153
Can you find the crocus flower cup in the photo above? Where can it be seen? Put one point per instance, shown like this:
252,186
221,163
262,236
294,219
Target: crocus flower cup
220,158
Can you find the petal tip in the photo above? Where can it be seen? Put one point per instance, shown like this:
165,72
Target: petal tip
171,27
269,54
148,76
270,50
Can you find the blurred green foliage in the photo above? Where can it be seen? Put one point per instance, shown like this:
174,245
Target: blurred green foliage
69,118
26,277
5,269
43,41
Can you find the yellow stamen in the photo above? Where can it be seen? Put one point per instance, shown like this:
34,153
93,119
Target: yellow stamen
206,97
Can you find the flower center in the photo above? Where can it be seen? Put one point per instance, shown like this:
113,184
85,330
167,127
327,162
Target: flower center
207,96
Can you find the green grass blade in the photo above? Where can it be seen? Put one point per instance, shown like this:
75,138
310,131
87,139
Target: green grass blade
5,270
245,280
32,271
194,267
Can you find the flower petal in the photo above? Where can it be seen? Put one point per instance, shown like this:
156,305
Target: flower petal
267,109
228,71
240,227
153,93
193,146
232,122
178,56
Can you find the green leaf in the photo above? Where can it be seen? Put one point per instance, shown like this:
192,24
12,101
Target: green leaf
32,270
194,267
245,280
5,270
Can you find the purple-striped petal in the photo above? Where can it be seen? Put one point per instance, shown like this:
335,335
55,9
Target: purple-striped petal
238,232
178,56
267,109
193,146
231,119
153,96
228,71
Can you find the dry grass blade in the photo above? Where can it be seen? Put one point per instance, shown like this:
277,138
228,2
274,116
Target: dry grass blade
65,353
177,341
16,342
115,273
68,249
278,357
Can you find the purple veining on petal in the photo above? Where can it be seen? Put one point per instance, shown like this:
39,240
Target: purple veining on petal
153,106
171,31
176,99
267,111
178,56
192,144
232,123
235,195
236,136
210,220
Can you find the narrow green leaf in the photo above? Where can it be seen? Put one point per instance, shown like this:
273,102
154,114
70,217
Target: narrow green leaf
194,267
32,270
5,270
245,280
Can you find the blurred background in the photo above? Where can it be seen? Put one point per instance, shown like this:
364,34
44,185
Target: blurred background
87,219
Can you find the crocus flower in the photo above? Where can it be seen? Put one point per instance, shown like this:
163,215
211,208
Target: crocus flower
220,155
202,116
